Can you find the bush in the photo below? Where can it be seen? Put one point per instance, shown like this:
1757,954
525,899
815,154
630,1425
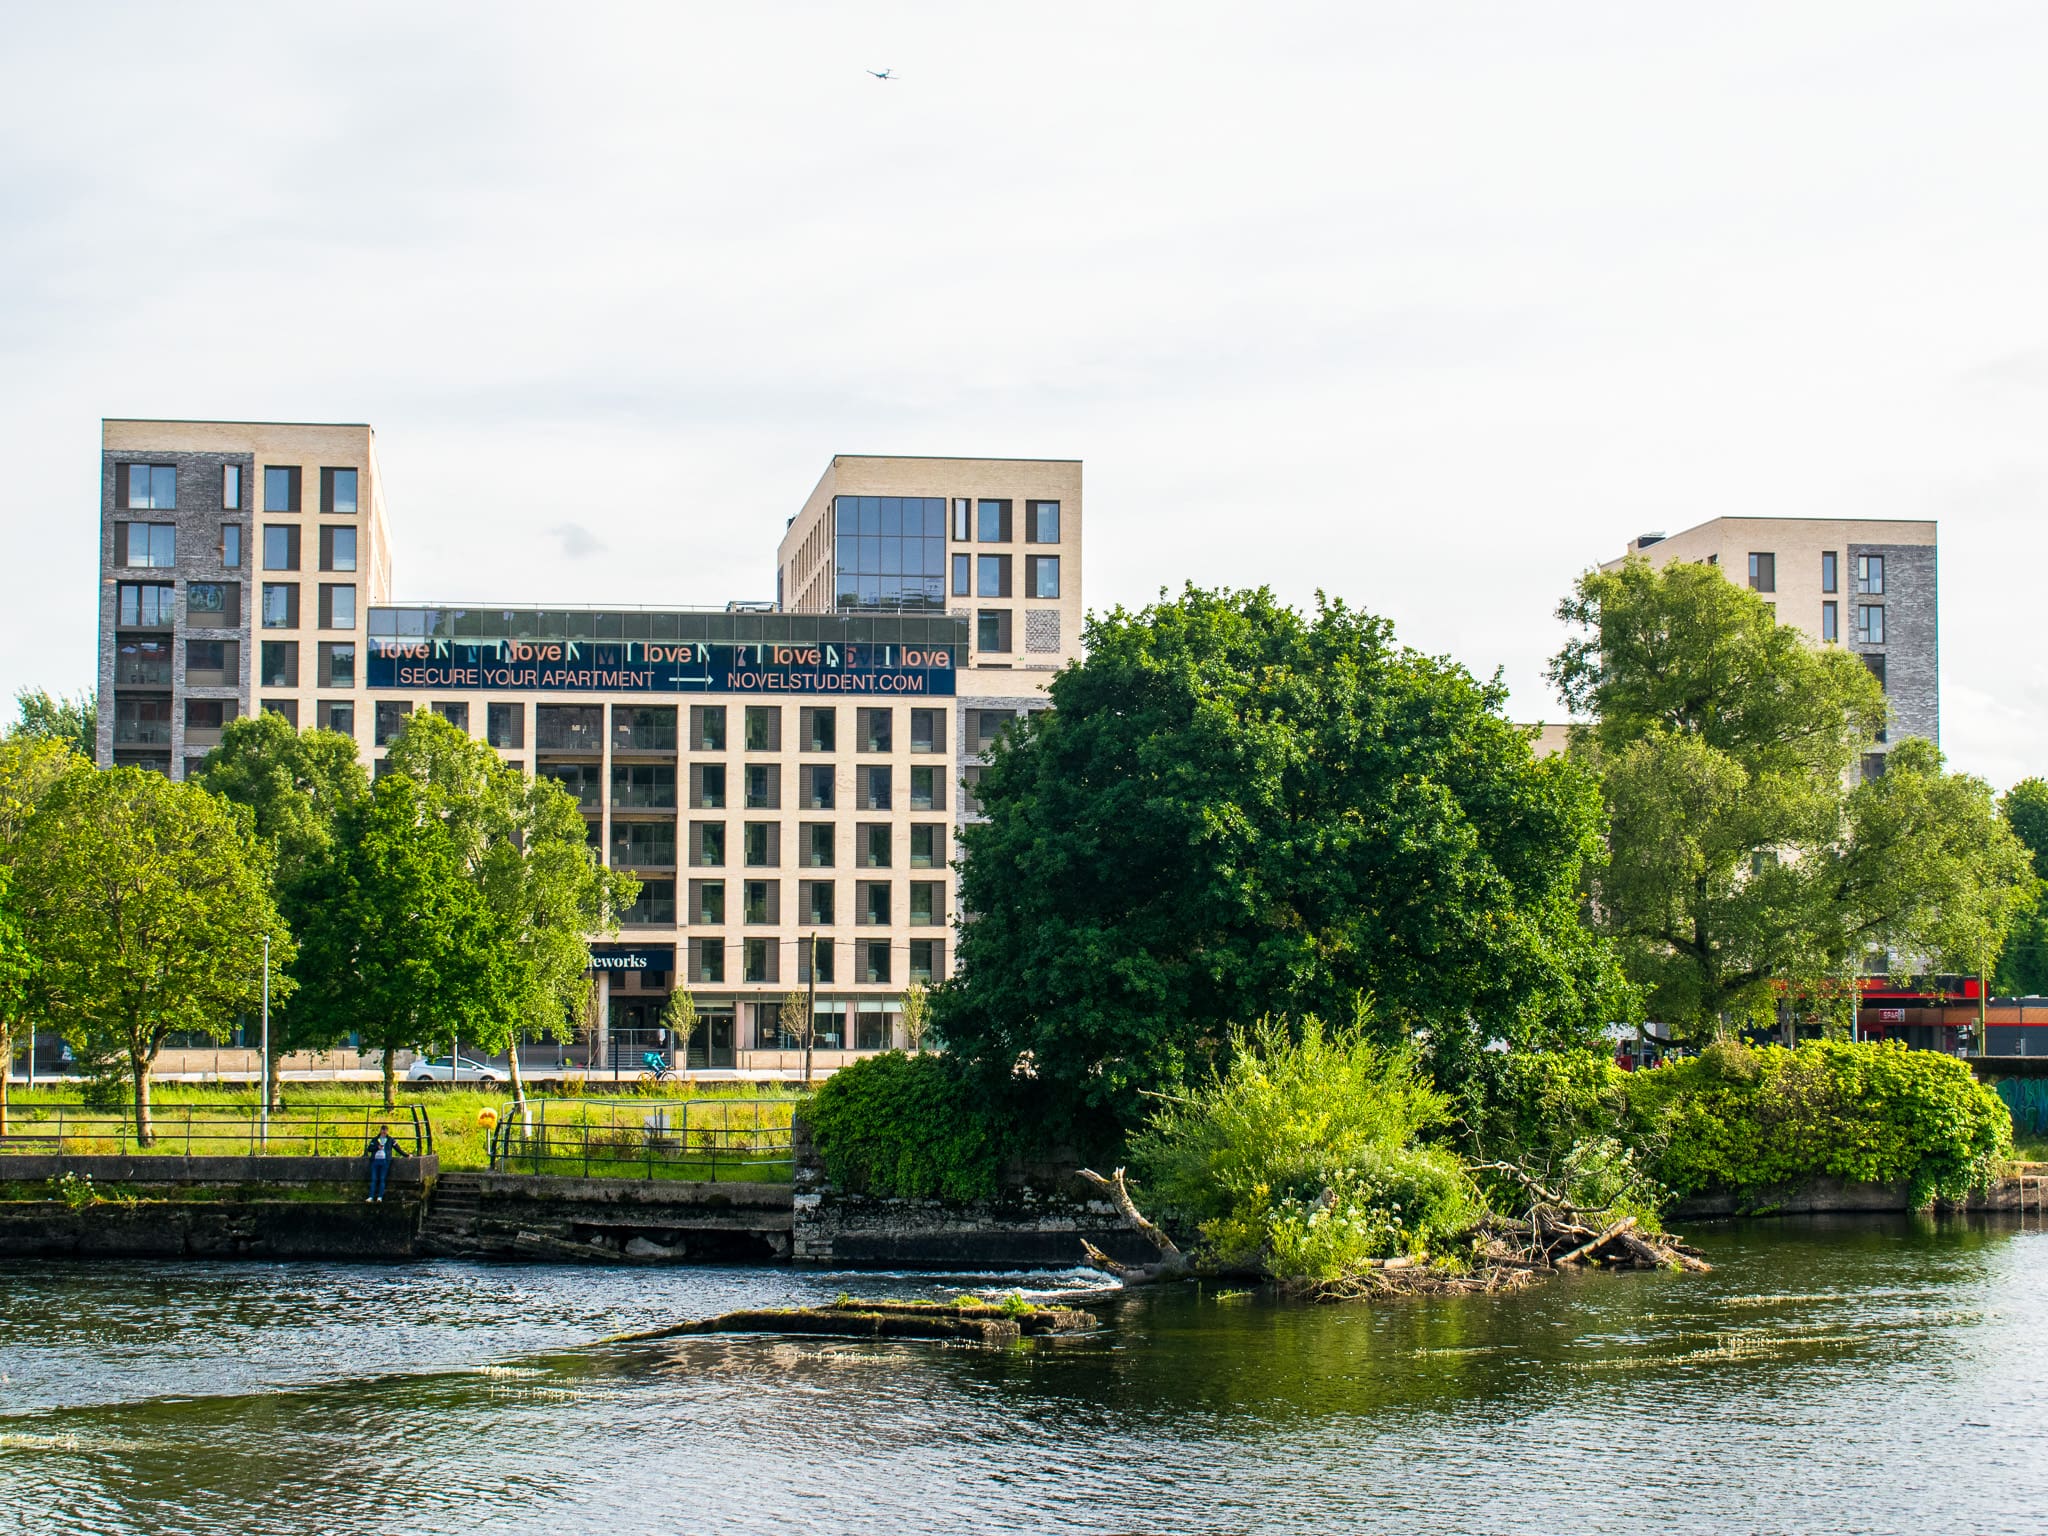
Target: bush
904,1125
1302,1155
1740,1118
1534,1107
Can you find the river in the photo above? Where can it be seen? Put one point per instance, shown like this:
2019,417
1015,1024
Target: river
1845,1375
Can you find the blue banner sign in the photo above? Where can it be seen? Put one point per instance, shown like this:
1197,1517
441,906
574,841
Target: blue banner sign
657,666
623,957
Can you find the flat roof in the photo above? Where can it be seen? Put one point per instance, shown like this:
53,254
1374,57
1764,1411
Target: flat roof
215,421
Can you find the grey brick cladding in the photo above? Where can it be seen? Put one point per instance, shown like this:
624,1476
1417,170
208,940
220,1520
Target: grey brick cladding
1912,635
198,517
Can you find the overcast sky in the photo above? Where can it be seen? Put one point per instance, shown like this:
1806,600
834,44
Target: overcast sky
1428,306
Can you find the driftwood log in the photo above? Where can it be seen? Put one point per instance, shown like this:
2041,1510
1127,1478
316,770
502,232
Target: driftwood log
981,1323
1172,1265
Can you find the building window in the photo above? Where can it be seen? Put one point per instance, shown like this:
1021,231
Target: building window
762,841
927,791
337,548
1827,570
286,710
337,663
144,663
213,604
231,487
707,727
707,960
569,727
992,522
927,845
707,786
871,903
337,715
231,544
212,663
337,606
1763,573
890,552
984,726
764,727
281,488
877,730
991,575
654,907
924,960
760,902
812,952
963,519
147,487
337,490
1042,522
1830,622
963,575
874,785
1044,576
760,959
970,802
644,786
1870,575
819,727
643,728
146,604
707,903
764,786
146,545
874,959
1870,623
815,902
280,546
280,605
583,780
1873,766
144,722
815,780
391,715
992,630
455,712
927,730
643,845
1876,666
817,845
927,903
505,726
707,844
872,845
279,666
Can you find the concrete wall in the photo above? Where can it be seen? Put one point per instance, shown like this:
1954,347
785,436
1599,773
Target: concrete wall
650,1221
1838,1197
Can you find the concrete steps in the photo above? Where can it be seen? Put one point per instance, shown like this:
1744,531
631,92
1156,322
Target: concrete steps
453,1214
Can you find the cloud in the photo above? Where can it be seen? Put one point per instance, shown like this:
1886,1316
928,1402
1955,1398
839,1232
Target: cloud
577,541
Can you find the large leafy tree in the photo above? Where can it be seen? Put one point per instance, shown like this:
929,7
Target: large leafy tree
1744,867
29,766
72,719
148,903
2023,966
1234,810
397,944
523,843
297,786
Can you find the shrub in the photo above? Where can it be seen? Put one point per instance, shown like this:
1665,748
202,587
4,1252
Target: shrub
1536,1106
1739,1118
1302,1155
904,1125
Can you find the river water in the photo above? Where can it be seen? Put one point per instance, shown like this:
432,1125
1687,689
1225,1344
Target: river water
1843,1375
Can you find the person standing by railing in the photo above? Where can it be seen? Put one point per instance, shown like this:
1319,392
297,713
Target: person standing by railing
380,1151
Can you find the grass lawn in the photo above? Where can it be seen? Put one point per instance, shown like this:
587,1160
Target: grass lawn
632,1134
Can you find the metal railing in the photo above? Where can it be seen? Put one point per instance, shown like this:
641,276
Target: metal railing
216,1128
714,1139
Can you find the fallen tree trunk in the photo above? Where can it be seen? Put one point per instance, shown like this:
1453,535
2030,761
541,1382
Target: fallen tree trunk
882,1320
1172,1265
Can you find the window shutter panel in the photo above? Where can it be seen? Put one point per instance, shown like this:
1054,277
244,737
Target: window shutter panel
294,477
121,487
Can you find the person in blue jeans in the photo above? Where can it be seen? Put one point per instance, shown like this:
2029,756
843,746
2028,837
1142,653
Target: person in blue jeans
381,1150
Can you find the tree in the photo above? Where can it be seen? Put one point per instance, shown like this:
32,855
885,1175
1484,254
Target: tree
73,719
1235,811
523,843
2023,967
917,1015
29,766
795,1021
1743,870
148,903
18,970
399,945
297,786
679,1018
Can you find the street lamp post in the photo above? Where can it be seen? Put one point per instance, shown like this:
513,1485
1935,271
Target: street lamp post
263,1071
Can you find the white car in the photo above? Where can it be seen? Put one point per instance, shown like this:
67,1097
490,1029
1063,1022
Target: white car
435,1069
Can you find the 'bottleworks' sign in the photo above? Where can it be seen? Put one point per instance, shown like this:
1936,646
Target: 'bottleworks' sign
642,666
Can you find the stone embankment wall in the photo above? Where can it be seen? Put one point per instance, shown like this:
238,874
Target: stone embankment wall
634,1221
1839,1197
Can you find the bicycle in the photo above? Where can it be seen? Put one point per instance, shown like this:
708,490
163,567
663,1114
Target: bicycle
657,1069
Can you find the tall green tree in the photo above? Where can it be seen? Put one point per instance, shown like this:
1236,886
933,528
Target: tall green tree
1234,810
398,945
29,767
298,785
2023,966
1744,867
523,843
72,719
148,903
18,973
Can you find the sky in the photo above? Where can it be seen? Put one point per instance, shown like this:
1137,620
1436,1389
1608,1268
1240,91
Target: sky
1429,307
